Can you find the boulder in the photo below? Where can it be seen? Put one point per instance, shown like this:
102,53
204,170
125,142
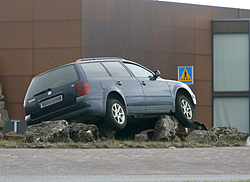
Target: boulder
80,132
199,136
61,131
141,137
104,131
48,131
218,134
13,136
1,97
4,117
2,122
228,134
2,104
168,128
1,136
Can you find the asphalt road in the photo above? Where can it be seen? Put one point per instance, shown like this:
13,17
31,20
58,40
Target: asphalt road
182,164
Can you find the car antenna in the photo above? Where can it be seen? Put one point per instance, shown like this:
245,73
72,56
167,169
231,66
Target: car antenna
53,58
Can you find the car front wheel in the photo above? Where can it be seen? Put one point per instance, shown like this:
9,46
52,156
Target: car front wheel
184,111
116,116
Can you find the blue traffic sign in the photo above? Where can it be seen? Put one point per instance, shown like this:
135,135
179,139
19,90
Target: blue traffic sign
186,74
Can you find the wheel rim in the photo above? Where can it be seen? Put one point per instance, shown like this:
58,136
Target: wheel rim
186,109
118,113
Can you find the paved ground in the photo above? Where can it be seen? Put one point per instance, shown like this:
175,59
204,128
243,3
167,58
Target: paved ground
100,164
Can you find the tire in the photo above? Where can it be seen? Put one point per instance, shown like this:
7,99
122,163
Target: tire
184,111
116,116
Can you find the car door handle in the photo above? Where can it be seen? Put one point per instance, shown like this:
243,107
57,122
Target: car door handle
143,83
119,83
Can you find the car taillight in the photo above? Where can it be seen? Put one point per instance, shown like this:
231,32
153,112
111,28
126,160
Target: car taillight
82,89
26,108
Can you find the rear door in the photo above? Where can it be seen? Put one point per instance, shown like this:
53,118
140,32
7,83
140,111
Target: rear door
52,91
128,85
99,80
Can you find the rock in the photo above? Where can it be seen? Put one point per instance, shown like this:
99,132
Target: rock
2,122
177,139
80,132
2,104
48,131
234,137
227,134
1,135
181,132
61,131
4,115
1,97
104,131
198,136
13,136
167,128
218,134
141,138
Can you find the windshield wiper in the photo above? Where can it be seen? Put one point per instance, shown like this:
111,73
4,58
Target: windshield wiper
39,93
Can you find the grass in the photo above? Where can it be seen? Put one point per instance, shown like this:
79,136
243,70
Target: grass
117,144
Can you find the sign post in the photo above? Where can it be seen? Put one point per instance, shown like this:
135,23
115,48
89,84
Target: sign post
16,125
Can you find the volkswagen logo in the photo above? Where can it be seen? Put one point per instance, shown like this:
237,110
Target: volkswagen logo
49,92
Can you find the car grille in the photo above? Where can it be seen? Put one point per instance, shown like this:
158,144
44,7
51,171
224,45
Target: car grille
51,101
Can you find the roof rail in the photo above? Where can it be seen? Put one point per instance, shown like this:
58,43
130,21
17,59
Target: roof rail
98,58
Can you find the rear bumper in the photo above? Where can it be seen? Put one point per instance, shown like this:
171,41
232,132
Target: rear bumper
85,108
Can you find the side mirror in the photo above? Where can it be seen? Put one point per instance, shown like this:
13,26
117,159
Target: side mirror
157,73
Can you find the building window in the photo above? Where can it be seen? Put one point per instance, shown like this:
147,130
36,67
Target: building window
232,112
231,74
231,62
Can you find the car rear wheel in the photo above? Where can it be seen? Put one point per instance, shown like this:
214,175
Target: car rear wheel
184,111
116,116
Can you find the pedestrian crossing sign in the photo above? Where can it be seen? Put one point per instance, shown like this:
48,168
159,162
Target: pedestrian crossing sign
185,74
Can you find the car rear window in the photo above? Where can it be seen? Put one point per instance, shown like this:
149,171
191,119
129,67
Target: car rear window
53,79
94,70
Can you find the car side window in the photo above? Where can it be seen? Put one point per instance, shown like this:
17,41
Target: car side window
139,71
94,70
116,69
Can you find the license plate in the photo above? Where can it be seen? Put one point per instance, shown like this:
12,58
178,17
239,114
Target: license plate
51,101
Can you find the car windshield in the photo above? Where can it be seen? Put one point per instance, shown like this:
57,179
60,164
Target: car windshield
52,79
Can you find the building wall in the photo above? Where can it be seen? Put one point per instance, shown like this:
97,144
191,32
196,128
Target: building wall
28,28
159,35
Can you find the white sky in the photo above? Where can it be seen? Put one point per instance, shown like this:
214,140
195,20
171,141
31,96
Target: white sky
242,4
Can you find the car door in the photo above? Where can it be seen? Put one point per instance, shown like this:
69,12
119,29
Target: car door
128,85
157,93
98,78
